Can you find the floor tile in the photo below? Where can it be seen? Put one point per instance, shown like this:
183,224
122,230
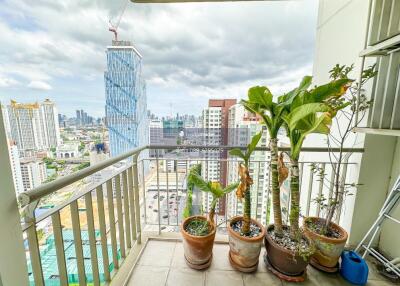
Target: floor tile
149,276
223,278
158,253
178,259
221,258
261,278
185,277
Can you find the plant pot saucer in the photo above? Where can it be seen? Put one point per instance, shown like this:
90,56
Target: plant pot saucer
199,266
240,268
314,263
299,278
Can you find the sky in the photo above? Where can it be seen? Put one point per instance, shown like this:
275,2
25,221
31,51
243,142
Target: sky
191,52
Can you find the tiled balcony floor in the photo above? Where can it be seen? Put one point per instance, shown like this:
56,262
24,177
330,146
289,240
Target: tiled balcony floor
162,263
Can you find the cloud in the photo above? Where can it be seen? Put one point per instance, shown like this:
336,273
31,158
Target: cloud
40,85
7,82
201,50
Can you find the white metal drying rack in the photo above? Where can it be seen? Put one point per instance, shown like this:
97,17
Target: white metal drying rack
390,204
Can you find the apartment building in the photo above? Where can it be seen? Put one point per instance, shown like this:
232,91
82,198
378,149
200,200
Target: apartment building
33,172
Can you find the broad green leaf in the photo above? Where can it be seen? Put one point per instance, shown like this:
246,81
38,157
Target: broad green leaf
303,111
237,153
332,89
260,95
253,144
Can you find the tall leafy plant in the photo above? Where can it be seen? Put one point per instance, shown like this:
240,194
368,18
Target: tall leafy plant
308,111
243,190
345,120
261,102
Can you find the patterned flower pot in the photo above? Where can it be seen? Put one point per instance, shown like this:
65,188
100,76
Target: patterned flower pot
244,251
328,250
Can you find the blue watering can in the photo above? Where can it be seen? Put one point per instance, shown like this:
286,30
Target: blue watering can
354,268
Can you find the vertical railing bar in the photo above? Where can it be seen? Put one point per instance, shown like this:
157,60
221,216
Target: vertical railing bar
136,196
226,196
177,192
111,215
92,239
76,229
103,233
144,193
332,183
36,263
309,192
258,187
132,203
59,246
301,176
121,234
321,186
158,192
168,206
342,188
126,208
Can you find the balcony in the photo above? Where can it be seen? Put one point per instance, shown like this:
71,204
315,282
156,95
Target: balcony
124,229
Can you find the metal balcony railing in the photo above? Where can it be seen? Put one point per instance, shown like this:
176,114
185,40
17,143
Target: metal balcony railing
89,235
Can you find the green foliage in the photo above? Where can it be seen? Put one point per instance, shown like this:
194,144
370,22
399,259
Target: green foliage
188,211
82,166
198,227
237,152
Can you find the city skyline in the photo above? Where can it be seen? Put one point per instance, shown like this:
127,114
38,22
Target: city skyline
186,61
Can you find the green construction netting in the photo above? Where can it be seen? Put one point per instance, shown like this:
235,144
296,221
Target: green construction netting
49,259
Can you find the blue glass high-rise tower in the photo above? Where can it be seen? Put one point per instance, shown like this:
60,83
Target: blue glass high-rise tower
126,102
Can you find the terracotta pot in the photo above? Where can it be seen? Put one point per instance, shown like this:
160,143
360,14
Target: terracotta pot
328,250
197,249
283,259
244,251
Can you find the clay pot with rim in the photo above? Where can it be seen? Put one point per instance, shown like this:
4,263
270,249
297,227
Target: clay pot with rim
282,259
328,249
197,249
244,251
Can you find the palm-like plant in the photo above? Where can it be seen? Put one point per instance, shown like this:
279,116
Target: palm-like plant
308,112
214,188
243,191
260,101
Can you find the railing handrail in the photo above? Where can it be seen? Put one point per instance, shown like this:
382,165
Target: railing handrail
46,189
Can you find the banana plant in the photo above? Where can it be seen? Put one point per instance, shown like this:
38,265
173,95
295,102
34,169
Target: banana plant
309,111
215,189
243,190
261,101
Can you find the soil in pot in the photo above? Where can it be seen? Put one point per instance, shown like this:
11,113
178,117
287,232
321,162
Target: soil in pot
198,240
245,249
289,257
329,246
301,246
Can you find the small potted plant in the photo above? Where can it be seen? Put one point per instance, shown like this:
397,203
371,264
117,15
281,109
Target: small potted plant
329,238
198,231
245,234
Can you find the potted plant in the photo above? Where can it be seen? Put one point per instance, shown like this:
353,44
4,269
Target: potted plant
301,112
198,231
245,234
329,238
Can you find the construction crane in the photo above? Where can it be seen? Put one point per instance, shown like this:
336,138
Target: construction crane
114,27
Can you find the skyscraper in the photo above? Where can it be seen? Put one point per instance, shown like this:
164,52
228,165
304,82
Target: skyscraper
215,125
33,126
50,122
126,103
